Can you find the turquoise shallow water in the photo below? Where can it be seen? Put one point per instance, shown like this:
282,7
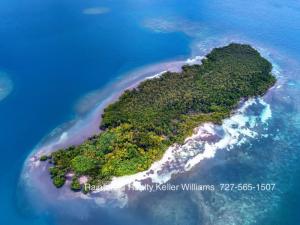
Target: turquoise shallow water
54,54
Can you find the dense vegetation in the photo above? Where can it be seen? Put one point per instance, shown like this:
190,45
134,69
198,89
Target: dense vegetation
138,128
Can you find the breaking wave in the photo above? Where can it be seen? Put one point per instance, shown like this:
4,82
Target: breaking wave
253,115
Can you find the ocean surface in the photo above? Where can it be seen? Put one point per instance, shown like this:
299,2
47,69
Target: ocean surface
62,60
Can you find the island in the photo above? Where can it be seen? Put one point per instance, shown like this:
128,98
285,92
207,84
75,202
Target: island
137,129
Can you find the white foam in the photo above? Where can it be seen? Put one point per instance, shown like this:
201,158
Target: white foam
177,159
266,113
156,75
195,60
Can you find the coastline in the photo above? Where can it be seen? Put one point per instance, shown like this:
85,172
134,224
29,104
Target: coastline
89,123
80,129
202,133
64,64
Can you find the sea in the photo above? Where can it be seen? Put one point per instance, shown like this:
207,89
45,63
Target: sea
62,61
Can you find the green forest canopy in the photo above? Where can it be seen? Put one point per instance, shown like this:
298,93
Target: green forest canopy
146,120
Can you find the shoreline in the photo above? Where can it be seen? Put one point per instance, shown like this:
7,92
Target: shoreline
76,131
205,131
89,124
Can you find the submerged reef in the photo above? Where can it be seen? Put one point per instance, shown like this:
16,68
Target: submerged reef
6,85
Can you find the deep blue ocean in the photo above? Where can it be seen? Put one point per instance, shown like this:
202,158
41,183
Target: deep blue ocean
54,52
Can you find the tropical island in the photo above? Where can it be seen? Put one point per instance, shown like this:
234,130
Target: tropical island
137,129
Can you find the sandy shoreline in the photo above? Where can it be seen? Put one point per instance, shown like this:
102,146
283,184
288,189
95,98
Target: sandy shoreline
81,129
203,144
77,131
